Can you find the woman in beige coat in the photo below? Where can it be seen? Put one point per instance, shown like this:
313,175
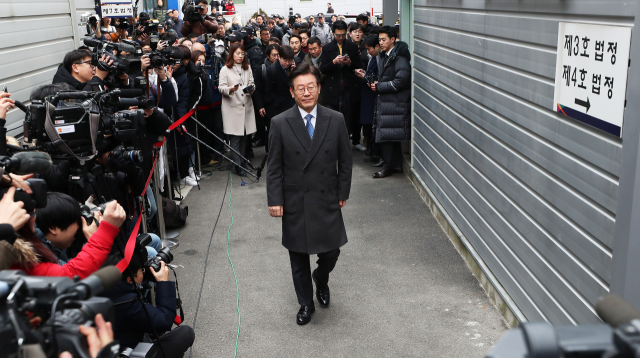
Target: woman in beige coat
238,118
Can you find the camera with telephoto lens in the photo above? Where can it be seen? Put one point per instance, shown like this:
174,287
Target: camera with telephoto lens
128,152
249,89
120,65
371,77
164,254
63,305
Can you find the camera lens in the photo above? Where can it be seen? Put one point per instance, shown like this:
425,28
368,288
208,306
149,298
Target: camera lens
165,255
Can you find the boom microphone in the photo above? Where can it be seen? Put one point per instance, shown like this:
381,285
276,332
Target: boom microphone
27,163
100,281
74,95
615,311
127,92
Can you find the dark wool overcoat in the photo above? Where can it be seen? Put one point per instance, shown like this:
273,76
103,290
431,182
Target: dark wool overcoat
308,177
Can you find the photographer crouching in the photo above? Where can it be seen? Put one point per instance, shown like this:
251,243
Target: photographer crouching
132,325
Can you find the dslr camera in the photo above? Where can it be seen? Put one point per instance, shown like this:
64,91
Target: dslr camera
154,262
371,78
249,89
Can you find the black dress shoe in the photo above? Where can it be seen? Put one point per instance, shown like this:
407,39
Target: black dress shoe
397,170
382,174
241,172
304,315
378,164
258,143
323,295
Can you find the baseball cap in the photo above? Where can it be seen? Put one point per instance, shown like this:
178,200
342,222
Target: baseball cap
296,25
160,26
248,31
320,15
236,36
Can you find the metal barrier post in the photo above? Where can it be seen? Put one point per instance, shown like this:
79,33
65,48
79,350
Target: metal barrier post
158,197
197,165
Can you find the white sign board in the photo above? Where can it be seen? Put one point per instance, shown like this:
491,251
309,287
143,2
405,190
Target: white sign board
591,74
116,8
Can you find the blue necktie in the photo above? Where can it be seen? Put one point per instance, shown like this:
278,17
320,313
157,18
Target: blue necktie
309,125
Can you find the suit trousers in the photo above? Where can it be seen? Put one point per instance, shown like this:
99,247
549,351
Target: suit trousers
391,155
301,272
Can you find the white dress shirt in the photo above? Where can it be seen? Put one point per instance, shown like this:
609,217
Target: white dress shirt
314,113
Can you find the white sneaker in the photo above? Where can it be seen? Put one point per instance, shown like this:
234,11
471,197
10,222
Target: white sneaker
192,174
190,181
360,147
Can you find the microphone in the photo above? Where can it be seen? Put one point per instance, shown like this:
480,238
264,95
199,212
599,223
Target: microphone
73,95
124,47
127,92
615,311
100,281
27,162
21,106
92,42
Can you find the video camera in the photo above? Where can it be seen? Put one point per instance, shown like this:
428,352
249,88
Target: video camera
619,339
62,303
77,124
37,200
120,65
191,12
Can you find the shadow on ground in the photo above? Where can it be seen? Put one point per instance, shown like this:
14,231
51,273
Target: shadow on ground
399,289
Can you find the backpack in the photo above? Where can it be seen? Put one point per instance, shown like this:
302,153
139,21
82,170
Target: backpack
174,216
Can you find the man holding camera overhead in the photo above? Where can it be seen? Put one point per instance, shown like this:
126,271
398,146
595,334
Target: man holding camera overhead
197,21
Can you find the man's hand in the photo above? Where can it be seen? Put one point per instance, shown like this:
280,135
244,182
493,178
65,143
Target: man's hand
373,86
18,181
161,45
163,274
88,230
114,214
12,212
359,72
169,72
145,62
342,203
339,59
100,73
162,74
97,339
5,104
276,211
263,112
124,79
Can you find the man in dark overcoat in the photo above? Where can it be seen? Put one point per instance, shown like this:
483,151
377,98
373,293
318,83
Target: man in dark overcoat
308,183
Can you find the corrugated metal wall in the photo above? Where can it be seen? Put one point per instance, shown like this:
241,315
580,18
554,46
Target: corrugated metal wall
34,37
534,193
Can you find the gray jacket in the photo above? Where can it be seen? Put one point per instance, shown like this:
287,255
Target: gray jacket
323,32
309,177
392,118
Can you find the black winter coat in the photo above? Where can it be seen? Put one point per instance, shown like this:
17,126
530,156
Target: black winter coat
131,322
335,76
393,106
254,55
63,76
182,106
309,177
277,88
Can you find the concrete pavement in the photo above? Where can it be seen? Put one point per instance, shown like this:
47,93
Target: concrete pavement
399,289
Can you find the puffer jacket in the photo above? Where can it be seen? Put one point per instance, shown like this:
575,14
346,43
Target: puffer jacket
392,119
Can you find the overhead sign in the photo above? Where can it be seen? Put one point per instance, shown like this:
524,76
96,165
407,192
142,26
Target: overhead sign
116,8
591,74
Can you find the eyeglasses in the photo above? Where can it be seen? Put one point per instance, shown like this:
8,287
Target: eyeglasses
87,61
339,36
311,88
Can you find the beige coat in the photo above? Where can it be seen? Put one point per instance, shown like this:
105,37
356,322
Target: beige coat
238,117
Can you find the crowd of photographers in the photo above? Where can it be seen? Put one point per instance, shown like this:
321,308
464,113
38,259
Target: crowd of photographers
169,75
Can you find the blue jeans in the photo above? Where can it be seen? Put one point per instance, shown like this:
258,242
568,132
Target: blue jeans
154,246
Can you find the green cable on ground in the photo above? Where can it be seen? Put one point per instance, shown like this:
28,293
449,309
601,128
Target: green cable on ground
232,268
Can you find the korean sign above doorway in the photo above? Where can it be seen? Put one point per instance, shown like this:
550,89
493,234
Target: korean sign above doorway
591,74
